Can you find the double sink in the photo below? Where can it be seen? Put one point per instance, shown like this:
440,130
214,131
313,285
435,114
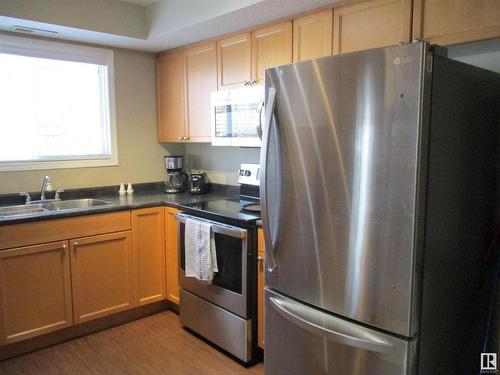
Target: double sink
50,205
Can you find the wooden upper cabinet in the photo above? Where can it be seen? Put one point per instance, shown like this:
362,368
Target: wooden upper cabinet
171,97
201,80
448,22
148,243
234,56
35,296
371,24
271,46
102,275
172,241
312,36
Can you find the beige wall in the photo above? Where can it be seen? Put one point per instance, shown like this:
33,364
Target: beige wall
140,156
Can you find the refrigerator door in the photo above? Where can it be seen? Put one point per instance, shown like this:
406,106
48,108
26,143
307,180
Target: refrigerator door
302,340
339,179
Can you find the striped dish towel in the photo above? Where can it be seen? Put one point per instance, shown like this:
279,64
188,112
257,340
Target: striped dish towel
200,251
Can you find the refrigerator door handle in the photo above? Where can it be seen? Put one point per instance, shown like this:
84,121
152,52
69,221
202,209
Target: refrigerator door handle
259,126
270,239
331,327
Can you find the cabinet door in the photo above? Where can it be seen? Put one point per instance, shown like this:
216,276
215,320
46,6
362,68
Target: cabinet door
102,275
260,289
271,46
35,293
371,24
171,238
234,56
448,22
201,80
312,36
148,242
171,97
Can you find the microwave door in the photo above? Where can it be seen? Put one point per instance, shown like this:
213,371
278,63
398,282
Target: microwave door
235,117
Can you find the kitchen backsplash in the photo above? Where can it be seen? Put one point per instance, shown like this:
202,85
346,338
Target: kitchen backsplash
221,163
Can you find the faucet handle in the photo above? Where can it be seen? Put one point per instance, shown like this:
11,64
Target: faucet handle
27,195
57,197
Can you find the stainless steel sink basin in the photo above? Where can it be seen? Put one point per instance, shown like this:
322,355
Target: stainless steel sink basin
76,204
35,209
20,210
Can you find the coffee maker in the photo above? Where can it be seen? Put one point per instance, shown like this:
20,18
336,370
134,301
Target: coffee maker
176,178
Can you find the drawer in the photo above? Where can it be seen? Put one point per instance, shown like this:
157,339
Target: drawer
37,232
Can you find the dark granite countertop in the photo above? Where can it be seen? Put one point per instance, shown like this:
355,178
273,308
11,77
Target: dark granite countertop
145,195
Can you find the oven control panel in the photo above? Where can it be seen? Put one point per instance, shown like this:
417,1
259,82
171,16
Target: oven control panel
248,174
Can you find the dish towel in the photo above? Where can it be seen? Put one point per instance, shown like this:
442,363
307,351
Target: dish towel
200,252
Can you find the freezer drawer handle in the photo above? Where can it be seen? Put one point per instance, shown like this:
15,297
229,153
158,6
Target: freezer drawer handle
330,327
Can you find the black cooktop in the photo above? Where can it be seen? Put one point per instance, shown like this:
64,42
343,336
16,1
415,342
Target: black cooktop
232,208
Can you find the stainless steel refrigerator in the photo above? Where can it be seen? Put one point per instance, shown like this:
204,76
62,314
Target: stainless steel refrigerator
377,187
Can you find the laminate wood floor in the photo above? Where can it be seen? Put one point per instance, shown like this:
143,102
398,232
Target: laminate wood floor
153,345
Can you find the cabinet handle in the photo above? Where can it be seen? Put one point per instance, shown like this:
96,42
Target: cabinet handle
253,82
64,247
180,138
186,138
245,83
75,244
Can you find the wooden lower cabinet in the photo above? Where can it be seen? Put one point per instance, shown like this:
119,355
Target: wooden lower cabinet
260,289
148,243
171,245
35,295
102,275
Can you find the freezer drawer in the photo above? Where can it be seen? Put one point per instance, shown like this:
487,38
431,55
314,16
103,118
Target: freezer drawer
303,340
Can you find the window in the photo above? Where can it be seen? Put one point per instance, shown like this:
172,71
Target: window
56,105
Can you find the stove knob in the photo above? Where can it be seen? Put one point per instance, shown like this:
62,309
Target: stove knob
247,173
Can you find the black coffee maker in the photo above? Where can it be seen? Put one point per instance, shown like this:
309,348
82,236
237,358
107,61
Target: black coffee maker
176,178
198,183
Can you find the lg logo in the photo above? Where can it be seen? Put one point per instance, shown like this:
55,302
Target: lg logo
489,363
401,60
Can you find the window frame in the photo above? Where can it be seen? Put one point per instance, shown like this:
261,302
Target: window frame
67,52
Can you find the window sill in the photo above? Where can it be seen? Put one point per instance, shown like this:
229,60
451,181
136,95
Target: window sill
57,164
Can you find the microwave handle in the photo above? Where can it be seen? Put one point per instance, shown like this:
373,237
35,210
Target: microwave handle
259,126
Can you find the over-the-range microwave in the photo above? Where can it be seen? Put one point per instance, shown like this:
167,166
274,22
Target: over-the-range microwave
235,116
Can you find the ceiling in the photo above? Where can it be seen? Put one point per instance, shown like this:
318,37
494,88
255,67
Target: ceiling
147,25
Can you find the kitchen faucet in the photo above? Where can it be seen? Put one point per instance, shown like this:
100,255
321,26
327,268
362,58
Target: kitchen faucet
46,180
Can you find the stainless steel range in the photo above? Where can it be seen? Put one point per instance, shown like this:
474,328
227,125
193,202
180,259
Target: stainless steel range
224,311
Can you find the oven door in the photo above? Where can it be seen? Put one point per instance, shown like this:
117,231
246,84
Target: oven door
229,286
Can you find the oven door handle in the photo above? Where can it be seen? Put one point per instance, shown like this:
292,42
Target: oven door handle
227,230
